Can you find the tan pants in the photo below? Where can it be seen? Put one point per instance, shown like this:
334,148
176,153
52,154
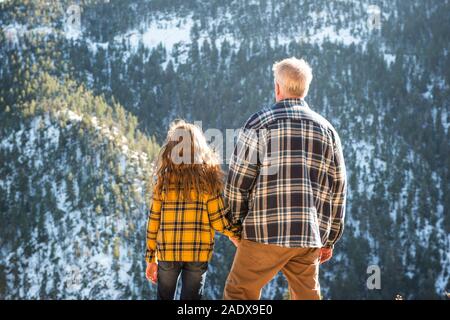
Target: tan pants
255,264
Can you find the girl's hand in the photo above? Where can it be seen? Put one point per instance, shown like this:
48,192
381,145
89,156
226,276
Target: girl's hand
152,272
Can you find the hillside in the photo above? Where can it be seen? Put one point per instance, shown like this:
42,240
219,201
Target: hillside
74,197
384,83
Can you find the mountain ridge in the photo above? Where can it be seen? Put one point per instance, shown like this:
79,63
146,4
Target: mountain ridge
52,157
387,94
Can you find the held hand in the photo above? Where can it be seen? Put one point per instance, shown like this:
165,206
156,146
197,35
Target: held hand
152,272
325,254
235,241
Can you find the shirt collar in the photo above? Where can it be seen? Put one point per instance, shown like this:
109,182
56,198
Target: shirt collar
290,102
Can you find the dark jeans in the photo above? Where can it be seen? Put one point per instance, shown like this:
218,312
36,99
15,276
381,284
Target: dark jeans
193,276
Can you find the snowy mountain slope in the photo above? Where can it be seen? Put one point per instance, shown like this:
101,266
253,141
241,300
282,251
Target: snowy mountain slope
396,223
385,88
77,197
343,22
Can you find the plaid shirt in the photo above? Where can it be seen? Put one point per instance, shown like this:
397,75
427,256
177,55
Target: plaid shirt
293,194
183,230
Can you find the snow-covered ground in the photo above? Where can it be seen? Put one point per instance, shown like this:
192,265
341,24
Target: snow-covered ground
86,253
167,32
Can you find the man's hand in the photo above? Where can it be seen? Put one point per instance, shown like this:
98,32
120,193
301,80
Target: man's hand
325,254
235,241
152,272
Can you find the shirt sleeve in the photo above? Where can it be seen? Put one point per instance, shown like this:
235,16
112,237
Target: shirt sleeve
242,174
339,190
154,219
218,217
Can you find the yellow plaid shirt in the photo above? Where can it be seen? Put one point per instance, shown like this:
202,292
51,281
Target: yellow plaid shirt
183,230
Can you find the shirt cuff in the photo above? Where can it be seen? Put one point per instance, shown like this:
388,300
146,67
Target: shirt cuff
150,256
235,231
329,245
232,234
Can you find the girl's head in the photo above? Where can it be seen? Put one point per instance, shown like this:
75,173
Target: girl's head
187,163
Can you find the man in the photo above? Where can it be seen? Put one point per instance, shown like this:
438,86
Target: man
289,198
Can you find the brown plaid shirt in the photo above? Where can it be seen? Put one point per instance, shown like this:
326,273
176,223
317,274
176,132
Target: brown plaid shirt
287,179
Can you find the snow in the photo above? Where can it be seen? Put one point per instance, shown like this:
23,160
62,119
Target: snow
343,36
123,159
124,276
7,143
364,152
171,30
102,259
60,191
444,120
13,32
73,116
18,137
89,275
53,135
444,276
389,58
42,30
52,132
168,32
93,46
31,139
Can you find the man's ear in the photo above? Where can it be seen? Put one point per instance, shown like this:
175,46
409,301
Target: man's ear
277,88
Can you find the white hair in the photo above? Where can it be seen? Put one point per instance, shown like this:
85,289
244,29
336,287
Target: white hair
293,75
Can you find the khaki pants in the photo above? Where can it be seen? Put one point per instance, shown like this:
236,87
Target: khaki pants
255,264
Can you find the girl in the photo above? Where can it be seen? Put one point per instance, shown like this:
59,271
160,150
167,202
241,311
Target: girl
187,207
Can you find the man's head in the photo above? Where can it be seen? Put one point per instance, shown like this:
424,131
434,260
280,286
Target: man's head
292,78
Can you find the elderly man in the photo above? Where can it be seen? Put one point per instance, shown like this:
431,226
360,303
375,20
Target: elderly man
289,198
